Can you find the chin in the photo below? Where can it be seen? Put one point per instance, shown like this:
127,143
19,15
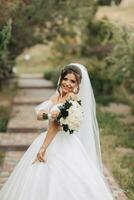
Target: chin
65,91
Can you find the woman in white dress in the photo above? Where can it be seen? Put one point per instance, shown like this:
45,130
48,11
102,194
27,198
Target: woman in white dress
59,165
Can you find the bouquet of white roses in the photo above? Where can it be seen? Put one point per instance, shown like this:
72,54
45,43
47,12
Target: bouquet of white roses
71,115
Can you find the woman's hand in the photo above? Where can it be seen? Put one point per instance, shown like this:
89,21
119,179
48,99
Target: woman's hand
54,114
40,155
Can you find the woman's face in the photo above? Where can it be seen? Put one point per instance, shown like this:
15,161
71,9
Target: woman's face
68,83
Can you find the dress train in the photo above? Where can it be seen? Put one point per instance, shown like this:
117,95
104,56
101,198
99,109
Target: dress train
68,174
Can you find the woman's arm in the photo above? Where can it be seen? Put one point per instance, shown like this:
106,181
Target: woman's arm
42,111
54,127
51,132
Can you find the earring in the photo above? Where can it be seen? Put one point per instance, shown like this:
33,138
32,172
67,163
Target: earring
75,90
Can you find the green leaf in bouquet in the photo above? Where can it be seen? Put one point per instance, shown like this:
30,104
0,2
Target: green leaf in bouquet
59,116
67,104
71,131
65,127
45,116
79,101
64,113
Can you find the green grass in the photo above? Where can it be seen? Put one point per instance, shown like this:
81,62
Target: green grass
4,117
118,150
106,99
7,94
110,125
2,155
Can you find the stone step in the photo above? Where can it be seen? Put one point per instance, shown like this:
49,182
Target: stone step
13,141
23,120
32,96
11,160
34,83
30,76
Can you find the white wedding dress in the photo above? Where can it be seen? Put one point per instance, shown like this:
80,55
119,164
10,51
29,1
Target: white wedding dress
68,174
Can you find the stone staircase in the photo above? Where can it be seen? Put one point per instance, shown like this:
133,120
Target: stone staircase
23,126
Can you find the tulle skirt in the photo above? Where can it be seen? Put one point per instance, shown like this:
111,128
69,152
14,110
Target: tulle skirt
68,174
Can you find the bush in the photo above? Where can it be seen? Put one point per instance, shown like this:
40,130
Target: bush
108,2
52,74
5,61
112,126
117,141
112,65
102,84
40,23
4,117
120,62
106,99
97,39
2,155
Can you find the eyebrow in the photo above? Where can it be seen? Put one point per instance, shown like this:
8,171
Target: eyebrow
70,79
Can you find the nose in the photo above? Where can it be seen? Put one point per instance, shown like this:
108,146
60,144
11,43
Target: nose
67,83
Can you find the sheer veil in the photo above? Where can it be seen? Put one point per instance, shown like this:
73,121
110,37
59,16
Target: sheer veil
89,132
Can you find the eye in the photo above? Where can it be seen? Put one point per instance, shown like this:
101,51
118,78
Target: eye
73,81
65,79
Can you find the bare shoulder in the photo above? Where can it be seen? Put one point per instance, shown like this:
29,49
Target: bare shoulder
54,97
73,96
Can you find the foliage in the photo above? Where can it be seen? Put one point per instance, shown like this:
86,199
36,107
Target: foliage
109,2
7,93
97,38
111,51
2,155
117,141
4,117
39,21
106,99
119,63
5,36
111,126
101,83
43,19
5,61
67,44
52,74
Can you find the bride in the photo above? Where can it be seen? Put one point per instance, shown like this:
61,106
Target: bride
59,165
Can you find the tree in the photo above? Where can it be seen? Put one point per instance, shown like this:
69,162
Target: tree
120,61
31,19
5,62
108,2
